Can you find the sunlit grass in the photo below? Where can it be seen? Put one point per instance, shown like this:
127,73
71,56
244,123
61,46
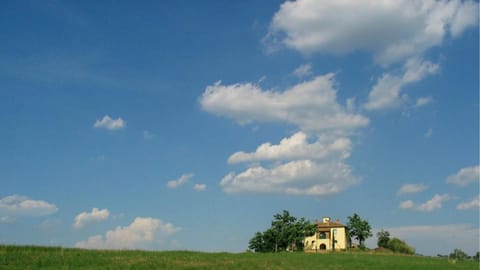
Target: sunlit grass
29,257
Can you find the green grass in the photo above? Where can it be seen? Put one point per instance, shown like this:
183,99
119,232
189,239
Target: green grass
28,257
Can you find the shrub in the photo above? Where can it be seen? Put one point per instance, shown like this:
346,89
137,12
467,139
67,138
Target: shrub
399,246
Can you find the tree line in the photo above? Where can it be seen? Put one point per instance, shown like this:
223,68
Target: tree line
287,233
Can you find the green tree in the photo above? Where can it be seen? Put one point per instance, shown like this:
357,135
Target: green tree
399,246
458,254
286,232
257,243
359,228
383,238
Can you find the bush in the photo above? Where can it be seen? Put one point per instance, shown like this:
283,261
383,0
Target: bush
458,254
399,246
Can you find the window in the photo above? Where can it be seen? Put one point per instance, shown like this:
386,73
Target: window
322,235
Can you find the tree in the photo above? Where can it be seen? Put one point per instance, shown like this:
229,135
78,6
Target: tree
358,228
399,246
383,239
458,254
286,232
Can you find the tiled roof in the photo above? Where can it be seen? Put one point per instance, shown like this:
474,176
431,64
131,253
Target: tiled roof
330,224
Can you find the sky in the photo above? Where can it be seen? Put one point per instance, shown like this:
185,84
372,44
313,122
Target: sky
187,125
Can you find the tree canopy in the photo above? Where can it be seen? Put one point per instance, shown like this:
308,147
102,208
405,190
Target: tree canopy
286,233
383,238
359,228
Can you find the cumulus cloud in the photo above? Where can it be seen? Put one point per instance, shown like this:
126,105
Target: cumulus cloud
200,187
472,204
95,215
411,188
16,205
296,147
111,124
180,181
433,204
439,239
465,176
299,177
311,161
392,30
303,71
386,92
140,234
310,105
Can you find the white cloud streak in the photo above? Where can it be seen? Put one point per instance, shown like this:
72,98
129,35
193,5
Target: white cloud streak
411,188
472,204
392,30
423,101
303,71
386,92
16,205
140,234
465,176
111,124
200,187
433,204
96,215
180,181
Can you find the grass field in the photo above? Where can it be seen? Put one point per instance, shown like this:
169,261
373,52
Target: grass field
26,257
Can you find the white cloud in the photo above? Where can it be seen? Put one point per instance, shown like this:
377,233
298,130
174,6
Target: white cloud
109,123
439,239
465,176
310,105
200,187
95,215
386,92
392,30
407,204
303,71
180,181
473,204
297,147
140,234
433,204
299,177
411,188
423,101
15,205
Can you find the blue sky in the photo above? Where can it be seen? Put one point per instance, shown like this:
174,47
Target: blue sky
188,124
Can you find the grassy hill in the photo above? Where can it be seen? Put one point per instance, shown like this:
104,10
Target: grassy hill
27,257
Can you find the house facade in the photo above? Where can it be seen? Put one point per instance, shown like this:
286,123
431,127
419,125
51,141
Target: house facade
330,235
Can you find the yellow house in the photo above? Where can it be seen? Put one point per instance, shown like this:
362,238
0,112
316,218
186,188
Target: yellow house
330,235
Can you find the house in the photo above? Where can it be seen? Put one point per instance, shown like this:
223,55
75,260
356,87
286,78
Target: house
330,235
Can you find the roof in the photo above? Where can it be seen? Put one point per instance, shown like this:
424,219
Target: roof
330,224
